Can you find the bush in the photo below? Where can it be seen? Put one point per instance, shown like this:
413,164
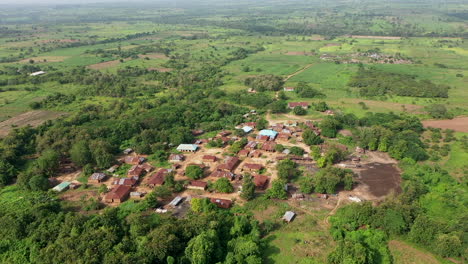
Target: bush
223,185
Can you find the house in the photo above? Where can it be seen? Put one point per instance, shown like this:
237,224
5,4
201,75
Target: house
209,158
288,89
288,216
197,132
244,153
113,169
62,186
262,138
269,146
221,203
224,133
134,160
223,174
37,73
230,164
284,136
187,147
252,167
158,178
176,201
201,141
251,124
197,185
247,129
260,181
136,194
304,105
124,181
127,151
74,186
330,112
147,167
250,145
118,194
135,171
268,132
176,157
256,154
97,177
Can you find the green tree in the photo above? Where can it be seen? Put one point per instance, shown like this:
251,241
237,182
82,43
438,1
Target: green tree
102,154
277,190
223,185
48,162
296,151
298,110
287,169
204,248
310,138
7,173
39,183
81,154
248,188
262,123
306,184
194,172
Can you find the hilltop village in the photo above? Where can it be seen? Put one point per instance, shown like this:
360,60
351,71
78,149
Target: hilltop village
215,168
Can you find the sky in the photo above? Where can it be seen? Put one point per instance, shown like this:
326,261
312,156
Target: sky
42,2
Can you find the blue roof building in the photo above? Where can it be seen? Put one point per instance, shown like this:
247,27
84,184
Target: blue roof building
268,132
62,186
187,147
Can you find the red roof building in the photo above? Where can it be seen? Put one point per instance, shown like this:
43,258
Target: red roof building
251,145
263,138
243,153
269,146
304,105
223,174
230,164
252,167
124,181
134,160
158,178
176,157
118,194
260,181
256,154
197,185
209,158
135,171
147,167
221,203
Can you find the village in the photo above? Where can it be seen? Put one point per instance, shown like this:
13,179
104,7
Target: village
261,150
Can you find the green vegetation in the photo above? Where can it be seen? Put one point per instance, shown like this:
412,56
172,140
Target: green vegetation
146,75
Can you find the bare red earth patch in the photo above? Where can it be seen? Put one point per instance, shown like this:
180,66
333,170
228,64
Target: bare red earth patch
459,124
381,178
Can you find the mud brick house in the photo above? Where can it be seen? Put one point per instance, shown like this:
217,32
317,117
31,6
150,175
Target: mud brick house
158,178
97,177
124,181
223,174
118,194
197,185
260,181
304,105
209,158
252,167
230,164
222,203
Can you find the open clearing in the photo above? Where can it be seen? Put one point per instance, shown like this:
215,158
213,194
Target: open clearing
45,59
381,178
374,37
104,65
153,56
32,118
406,254
459,124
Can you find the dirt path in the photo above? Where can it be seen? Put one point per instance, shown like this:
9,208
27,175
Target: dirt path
409,254
459,124
296,73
